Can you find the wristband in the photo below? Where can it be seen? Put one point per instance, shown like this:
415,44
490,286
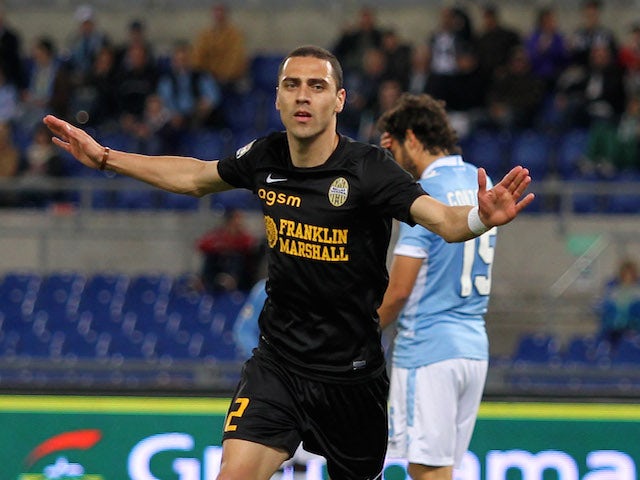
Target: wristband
474,222
105,157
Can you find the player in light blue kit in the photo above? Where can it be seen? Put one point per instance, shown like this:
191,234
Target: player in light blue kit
438,292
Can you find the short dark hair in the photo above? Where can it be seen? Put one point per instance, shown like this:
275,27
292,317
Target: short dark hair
320,53
426,117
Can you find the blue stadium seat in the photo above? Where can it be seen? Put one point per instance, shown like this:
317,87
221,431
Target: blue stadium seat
103,295
537,348
627,352
59,296
487,149
625,202
207,144
263,70
532,150
570,148
18,293
587,350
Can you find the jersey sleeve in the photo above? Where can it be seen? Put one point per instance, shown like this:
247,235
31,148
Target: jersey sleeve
391,189
238,170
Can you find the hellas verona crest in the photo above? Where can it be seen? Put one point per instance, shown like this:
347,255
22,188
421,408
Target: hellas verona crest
338,192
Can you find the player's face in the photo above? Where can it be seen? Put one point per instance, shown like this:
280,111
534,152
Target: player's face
308,99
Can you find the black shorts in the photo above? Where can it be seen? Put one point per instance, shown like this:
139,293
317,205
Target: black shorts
344,422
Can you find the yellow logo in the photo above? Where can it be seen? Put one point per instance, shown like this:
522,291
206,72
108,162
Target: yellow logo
272,230
338,192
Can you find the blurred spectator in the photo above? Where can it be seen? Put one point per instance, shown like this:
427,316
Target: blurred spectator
629,57
192,97
613,148
591,32
419,71
452,31
136,35
85,43
397,58
95,99
49,87
232,255
596,94
515,95
364,87
9,162
152,133
10,52
546,48
220,50
464,93
8,99
389,91
616,317
495,42
135,81
42,161
356,39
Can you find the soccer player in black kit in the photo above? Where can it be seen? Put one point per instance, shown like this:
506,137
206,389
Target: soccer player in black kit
318,375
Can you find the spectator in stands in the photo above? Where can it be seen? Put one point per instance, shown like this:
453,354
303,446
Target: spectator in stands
515,95
10,52
596,94
95,100
546,48
613,148
85,43
153,133
9,162
364,86
397,58
135,81
495,42
419,71
192,96
464,93
389,91
444,42
220,50
49,86
357,39
136,35
629,57
616,317
42,161
8,98
232,255
591,32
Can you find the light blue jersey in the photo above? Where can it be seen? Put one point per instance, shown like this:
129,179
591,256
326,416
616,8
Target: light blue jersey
444,316
246,331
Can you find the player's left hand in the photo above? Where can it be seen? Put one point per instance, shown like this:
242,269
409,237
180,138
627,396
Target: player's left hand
503,202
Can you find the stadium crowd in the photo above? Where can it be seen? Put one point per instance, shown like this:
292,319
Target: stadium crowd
493,78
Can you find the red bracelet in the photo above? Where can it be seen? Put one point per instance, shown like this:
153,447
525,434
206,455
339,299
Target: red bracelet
105,157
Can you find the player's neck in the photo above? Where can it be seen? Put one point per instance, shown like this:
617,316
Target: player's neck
312,152
428,158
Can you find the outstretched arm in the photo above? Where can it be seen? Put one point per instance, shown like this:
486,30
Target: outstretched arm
496,206
172,173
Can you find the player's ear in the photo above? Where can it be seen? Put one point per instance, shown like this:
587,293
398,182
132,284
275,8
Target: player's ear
341,97
277,100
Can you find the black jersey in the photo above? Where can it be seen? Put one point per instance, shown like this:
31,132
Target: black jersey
328,229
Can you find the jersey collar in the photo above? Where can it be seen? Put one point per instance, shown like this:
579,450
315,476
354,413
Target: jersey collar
448,161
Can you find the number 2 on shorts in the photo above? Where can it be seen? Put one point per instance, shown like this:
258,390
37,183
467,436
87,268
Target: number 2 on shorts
242,405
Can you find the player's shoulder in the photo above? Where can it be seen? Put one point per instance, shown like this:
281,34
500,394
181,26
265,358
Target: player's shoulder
275,141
